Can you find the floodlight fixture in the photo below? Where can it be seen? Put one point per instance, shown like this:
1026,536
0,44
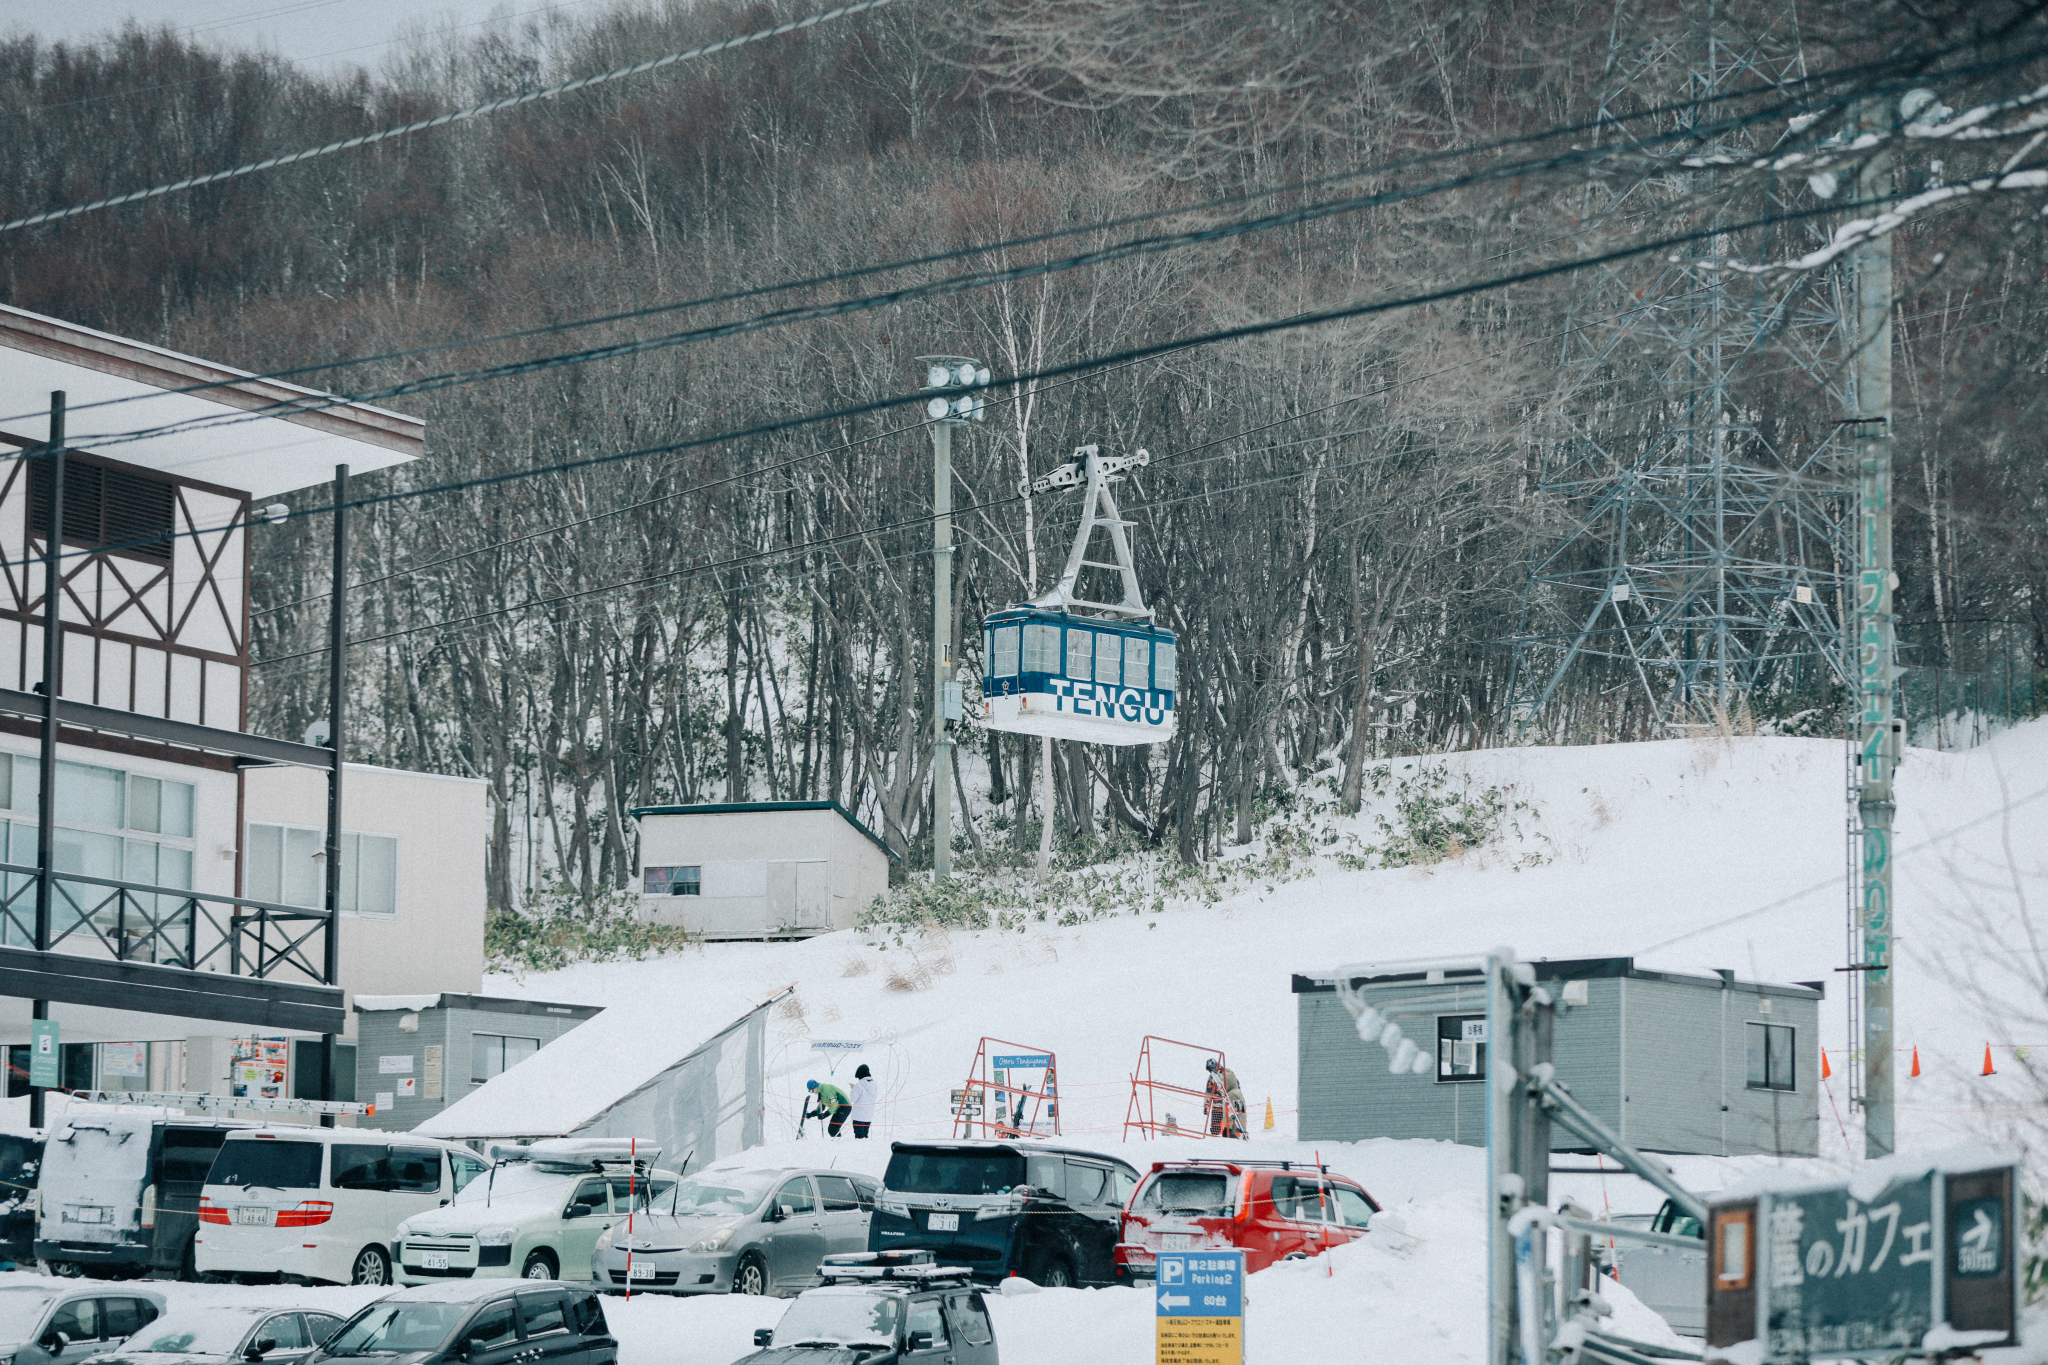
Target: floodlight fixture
937,408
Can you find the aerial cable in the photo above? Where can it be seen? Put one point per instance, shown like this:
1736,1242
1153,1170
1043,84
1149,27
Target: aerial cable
784,317
457,116
1088,368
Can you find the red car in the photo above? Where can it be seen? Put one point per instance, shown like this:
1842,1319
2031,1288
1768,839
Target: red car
1273,1210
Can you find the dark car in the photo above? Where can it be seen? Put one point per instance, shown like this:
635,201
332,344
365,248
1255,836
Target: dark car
1048,1214
478,1322
881,1309
21,1157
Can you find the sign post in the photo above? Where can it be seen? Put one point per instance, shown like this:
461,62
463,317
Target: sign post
1198,1307
43,1053
1923,1266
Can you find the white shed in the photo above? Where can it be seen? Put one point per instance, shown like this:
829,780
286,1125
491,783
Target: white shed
758,869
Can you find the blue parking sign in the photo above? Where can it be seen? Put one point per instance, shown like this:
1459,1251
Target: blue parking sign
1199,1284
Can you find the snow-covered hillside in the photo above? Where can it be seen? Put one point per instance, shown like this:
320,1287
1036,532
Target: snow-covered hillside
1686,855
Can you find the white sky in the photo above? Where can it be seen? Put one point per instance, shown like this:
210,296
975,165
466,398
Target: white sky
323,35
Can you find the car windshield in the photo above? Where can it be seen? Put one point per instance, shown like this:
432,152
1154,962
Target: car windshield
944,1172
21,1310
393,1328
212,1331
274,1164
519,1182
705,1196
839,1320
1197,1192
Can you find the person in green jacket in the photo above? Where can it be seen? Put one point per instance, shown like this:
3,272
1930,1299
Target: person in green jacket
830,1103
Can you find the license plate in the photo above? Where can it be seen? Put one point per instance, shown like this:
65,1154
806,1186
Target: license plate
433,1260
944,1222
253,1215
92,1213
1175,1241
643,1272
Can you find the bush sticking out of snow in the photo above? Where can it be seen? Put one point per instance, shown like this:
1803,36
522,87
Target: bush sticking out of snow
554,930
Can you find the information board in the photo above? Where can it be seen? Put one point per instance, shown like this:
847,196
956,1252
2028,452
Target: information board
43,1053
1198,1308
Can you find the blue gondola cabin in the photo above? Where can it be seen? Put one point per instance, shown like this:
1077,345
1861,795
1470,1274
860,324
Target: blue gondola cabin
1076,677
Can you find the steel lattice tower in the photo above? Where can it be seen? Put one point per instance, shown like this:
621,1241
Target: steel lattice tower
1700,548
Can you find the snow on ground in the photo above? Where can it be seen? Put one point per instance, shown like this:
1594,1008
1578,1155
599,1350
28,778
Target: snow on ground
1687,855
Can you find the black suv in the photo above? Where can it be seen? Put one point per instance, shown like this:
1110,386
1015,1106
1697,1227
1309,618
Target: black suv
1049,1214
478,1322
882,1309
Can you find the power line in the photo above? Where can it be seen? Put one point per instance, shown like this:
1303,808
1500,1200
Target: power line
1681,135
458,116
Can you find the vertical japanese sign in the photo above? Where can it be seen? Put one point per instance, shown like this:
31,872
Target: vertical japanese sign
43,1050
1198,1308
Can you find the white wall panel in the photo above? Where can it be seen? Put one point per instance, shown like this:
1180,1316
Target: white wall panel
184,688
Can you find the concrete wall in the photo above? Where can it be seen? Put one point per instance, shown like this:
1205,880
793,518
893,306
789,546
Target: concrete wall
436,940
1662,1060
765,872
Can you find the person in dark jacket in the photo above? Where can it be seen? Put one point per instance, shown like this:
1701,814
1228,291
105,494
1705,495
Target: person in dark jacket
829,1103
1224,1102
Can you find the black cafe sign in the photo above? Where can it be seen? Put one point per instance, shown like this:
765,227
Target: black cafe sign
1922,1266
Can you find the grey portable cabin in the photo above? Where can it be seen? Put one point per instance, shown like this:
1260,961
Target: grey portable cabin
447,1046
1673,1063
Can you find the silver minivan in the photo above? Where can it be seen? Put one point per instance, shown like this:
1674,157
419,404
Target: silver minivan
737,1232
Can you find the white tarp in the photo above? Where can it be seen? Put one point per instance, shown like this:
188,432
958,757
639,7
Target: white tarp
684,1072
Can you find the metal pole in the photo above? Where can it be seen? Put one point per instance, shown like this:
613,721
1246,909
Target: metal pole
1045,825
942,647
1503,1200
337,694
1878,749
53,673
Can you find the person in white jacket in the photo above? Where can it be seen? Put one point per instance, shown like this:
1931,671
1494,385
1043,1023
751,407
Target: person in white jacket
863,1097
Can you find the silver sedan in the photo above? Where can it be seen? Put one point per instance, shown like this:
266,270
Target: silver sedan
737,1232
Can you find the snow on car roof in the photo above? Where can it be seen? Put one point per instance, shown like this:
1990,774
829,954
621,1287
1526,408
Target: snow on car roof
461,1291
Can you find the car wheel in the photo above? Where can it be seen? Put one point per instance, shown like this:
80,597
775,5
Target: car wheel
539,1266
372,1266
1055,1272
1295,1256
752,1275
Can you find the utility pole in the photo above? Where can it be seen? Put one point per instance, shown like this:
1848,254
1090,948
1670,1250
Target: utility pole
1878,728
53,683
952,375
337,697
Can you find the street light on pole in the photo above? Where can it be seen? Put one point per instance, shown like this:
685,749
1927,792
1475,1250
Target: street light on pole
954,382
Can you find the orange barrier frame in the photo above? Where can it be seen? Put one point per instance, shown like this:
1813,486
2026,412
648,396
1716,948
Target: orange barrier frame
1143,1114
988,1095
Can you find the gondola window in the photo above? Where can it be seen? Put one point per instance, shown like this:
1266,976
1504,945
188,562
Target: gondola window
1137,661
1108,660
1041,649
1080,654
1004,654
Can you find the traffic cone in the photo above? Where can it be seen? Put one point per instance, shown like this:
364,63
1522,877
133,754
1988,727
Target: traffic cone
1825,1070
1269,1113
1989,1070
1916,1061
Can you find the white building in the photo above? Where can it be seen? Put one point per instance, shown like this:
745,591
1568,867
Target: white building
758,869
188,935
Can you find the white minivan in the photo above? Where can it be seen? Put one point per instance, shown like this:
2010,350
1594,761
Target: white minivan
320,1205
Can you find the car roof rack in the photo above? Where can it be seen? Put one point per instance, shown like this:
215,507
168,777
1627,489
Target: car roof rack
579,1154
1245,1163
900,1267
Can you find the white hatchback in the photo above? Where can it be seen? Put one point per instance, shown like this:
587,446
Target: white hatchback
320,1205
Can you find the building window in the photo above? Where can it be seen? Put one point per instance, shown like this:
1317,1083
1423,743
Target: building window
1460,1047
1770,1057
492,1053
112,824
128,513
673,881
306,1070
282,868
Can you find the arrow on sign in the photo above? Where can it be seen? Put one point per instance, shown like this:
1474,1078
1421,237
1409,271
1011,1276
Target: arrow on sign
1174,1300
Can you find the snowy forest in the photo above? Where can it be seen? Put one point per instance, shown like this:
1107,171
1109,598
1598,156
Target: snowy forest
1339,519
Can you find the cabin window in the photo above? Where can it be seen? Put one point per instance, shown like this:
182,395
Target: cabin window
1108,660
1041,649
673,881
1770,1057
1003,654
1460,1047
1163,666
1137,661
1080,654
492,1054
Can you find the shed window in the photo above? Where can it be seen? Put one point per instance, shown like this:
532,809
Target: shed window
1003,654
673,881
1080,654
1770,1057
492,1053
1460,1047
1041,649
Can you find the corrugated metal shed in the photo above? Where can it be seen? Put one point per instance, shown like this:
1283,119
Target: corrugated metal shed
433,1041
1674,1063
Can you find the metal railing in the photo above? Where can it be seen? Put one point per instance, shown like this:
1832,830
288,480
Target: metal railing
167,926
